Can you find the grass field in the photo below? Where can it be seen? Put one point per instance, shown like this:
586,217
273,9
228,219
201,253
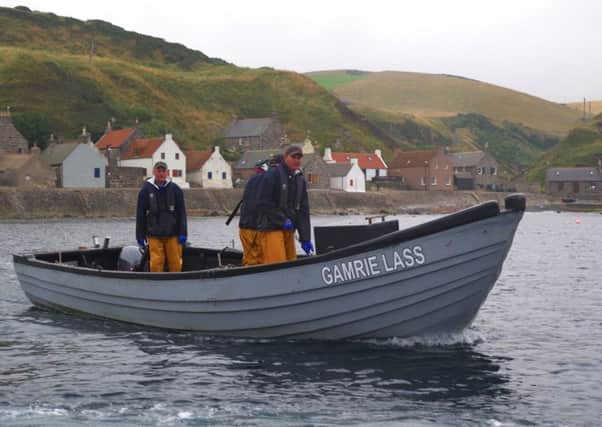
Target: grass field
437,95
596,107
334,79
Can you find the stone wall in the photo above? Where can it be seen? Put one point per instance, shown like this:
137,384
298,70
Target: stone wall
58,203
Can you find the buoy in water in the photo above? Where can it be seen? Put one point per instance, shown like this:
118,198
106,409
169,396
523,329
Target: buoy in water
577,221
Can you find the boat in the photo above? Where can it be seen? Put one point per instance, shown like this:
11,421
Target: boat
427,279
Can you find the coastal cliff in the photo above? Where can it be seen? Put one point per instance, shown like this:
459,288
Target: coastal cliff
65,203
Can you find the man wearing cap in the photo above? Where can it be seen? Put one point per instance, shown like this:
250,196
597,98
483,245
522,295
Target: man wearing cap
247,225
161,220
282,208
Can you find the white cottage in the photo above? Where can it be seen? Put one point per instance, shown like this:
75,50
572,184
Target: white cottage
347,177
372,164
77,165
146,152
208,169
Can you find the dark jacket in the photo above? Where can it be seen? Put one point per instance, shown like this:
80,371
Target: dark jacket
283,195
161,211
248,208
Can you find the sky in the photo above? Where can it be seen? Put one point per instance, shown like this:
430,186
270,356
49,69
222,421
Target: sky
548,48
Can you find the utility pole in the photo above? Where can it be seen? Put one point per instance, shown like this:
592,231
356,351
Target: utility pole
584,109
92,51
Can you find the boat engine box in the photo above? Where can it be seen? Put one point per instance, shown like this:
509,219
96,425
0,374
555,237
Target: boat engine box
329,238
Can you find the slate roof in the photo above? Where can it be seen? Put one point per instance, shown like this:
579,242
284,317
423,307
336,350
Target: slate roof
142,148
338,169
55,154
466,159
195,159
247,128
10,138
365,160
411,159
578,174
251,157
114,139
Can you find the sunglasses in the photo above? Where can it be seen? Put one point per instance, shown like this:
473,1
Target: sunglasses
297,156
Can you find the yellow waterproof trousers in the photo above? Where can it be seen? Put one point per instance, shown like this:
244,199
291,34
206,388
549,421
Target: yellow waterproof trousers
277,246
251,248
165,247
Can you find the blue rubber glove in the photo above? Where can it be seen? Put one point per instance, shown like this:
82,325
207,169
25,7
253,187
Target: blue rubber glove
182,239
307,246
288,224
141,242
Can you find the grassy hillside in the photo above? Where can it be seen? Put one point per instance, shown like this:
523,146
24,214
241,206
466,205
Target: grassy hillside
47,78
438,95
582,147
21,27
595,105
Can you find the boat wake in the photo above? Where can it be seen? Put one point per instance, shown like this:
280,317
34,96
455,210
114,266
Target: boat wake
466,337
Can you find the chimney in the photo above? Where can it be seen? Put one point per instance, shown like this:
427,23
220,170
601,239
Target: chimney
379,153
169,137
354,161
328,155
84,131
216,149
35,150
109,127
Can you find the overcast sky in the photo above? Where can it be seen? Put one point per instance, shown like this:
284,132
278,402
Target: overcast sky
548,48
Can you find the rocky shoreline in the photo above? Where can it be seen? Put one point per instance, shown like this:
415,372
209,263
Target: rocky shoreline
106,203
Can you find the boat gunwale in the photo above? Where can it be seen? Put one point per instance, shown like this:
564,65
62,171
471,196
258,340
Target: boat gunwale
466,216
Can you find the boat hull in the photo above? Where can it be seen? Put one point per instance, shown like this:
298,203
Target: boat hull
431,284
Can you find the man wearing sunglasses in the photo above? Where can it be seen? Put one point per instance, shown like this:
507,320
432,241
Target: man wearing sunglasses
283,207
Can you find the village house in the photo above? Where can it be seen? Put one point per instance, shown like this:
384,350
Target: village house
372,164
347,176
254,134
244,168
11,140
144,153
208,169
578,182
76,164
423,170
114,143
475,170
25,170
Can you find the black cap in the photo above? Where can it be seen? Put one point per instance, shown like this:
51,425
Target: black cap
293,150
160,164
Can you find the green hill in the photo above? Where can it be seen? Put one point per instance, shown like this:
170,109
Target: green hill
582,147
440,95
51,83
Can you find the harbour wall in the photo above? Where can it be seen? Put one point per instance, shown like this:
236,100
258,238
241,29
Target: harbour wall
17,203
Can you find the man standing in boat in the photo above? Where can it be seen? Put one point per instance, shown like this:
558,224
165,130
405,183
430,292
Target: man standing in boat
282,208
161,220
247,225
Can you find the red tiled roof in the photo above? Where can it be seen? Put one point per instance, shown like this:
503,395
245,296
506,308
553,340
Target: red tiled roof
195,159
364,160
142,148
114,139
411,159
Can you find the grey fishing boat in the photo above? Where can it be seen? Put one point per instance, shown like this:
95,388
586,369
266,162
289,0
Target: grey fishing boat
427,279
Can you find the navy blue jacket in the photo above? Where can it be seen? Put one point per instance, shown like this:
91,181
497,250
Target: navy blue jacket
161,211
279,182
248,208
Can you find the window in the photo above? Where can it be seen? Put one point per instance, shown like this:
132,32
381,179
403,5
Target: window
446,166
434,180
422,180
224,175
492,171
209,175
560,186
436,165
162,156
314,179
351,183
177,156
176,172
96,172
449,180
480,171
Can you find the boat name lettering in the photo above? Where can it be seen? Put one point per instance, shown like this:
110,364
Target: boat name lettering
399,259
